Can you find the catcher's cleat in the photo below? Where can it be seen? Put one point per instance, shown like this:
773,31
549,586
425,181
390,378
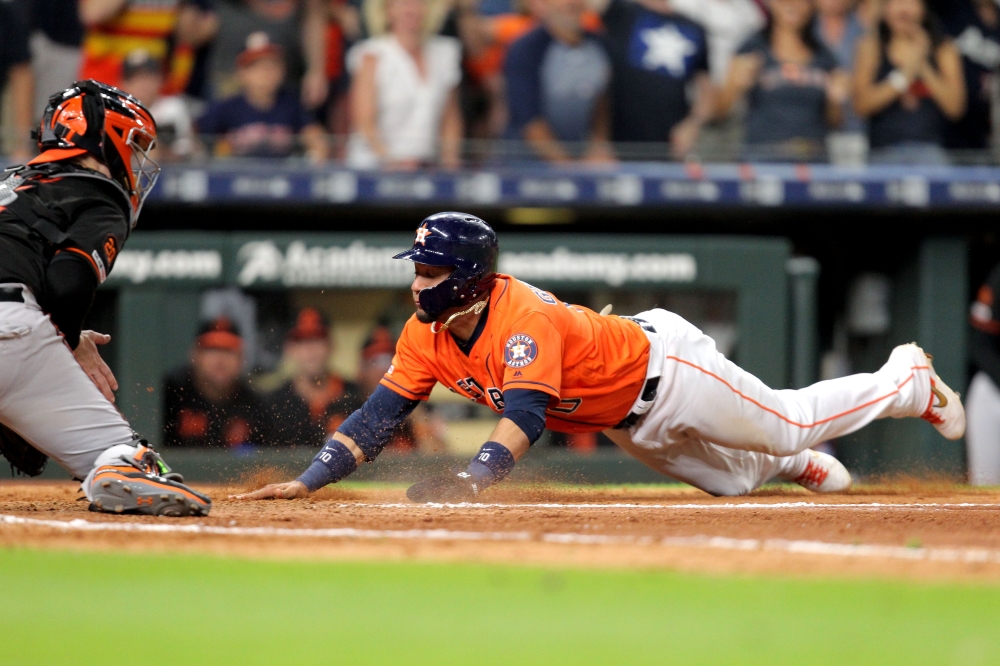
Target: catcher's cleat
824,474
945,411
444,489
143,484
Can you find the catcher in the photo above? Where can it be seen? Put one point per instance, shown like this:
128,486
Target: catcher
64,218
653,383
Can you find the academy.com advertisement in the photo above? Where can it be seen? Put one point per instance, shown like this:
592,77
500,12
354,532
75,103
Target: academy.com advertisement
325,260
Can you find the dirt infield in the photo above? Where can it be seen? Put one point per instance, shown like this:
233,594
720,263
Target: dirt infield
917,531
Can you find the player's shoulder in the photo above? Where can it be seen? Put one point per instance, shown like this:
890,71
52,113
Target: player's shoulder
76,188
515,299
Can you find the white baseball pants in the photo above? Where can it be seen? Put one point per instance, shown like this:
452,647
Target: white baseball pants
47,398
982,436
719,428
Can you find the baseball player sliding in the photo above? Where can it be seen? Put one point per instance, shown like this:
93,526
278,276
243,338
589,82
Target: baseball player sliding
655,384
63,220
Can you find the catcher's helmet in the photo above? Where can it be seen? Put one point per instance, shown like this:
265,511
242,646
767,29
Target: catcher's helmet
108,123
460,240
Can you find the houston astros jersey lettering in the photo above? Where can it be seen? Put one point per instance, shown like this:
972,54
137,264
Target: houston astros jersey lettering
592,366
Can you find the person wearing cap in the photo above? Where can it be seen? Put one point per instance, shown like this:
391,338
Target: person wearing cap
266,119
209,403
142,77
313,404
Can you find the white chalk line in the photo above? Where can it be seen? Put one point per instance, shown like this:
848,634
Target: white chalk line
959,555
874,506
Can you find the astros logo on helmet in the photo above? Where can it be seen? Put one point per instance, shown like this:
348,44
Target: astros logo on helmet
422,234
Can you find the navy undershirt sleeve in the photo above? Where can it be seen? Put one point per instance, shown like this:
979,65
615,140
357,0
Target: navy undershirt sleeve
526,408
70,287
370,427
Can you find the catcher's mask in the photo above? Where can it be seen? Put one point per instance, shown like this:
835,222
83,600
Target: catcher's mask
97,119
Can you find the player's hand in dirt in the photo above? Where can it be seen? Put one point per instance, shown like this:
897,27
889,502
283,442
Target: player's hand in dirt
90,360
446,488
290,490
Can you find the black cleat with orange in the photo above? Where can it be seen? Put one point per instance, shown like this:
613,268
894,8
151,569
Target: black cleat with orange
143,484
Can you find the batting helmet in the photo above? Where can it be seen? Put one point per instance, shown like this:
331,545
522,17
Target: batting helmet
460,240
108,123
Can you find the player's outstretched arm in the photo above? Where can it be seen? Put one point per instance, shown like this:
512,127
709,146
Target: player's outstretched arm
522,424
359,439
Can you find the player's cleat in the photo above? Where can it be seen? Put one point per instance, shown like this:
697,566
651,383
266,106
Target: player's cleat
824,474
143,484
945,411
444,489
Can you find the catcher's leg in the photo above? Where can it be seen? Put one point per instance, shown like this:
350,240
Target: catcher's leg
730,472
47,398
705,396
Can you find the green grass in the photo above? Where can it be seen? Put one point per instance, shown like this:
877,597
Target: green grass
83,608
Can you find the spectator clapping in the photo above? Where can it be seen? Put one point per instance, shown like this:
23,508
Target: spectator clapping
795,90
909,83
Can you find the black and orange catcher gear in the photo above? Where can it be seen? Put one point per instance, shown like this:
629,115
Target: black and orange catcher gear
100,120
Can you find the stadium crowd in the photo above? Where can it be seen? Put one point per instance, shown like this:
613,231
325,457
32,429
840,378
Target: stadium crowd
211,402
408,83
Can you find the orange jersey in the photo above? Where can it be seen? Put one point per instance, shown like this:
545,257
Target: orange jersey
143,24
592,366
507,29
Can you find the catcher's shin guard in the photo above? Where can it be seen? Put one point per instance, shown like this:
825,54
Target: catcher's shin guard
141,483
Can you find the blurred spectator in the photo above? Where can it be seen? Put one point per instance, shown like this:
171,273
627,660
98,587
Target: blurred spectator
192,43
297,26
343,28
266,118
310,407
15,72
839,28
558,76
56,33
795,90
908,82
142,77
486,35
656,57
404,98
975,27
729,24
983,402
485,39
114,28
209,403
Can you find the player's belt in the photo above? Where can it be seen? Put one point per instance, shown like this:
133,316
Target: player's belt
645,400
11,295
648,394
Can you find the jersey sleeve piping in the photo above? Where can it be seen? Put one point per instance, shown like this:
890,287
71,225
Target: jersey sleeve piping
403,391
90,259
550,390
